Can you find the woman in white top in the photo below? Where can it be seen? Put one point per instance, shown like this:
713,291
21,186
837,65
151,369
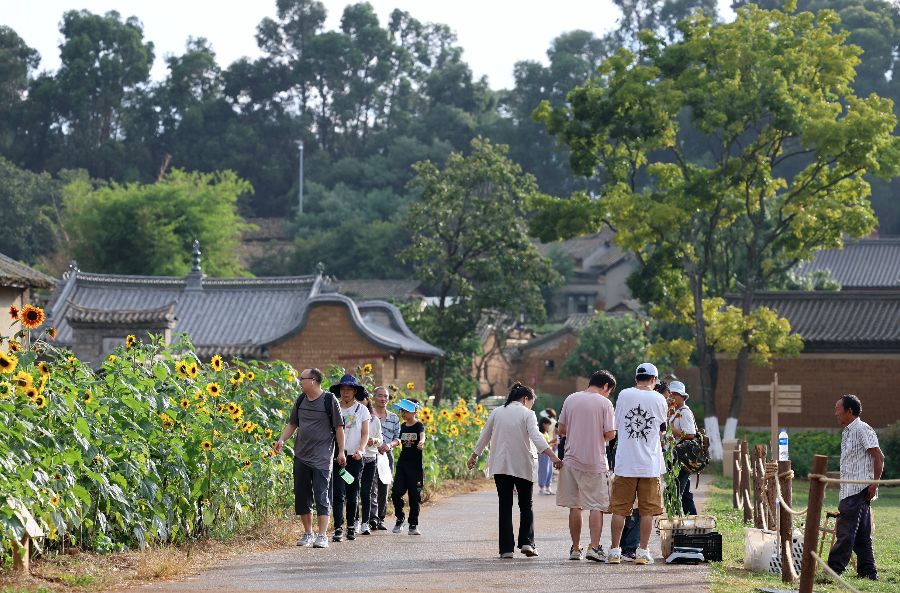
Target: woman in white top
512,432
684,427
370,466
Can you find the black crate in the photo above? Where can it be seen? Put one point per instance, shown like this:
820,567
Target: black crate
710,543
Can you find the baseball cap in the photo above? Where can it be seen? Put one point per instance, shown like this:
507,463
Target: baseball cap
646,368
679,388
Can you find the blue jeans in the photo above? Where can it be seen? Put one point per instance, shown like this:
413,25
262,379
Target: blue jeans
545,471
631,535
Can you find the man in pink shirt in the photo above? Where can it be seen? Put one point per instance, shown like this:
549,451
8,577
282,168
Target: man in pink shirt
587,421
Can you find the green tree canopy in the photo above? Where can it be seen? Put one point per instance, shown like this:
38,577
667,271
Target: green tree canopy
470,244
768,88
149,229
616,343
30,204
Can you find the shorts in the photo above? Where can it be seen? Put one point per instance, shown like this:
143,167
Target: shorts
647,490
583,490
311,483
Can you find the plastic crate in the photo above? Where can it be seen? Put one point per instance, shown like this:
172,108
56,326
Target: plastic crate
710,543
689,525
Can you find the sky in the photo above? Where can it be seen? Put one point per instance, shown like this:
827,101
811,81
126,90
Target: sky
495,34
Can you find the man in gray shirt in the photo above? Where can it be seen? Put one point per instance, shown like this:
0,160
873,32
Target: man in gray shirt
316,418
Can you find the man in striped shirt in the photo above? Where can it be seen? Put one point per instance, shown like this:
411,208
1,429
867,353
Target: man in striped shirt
861,459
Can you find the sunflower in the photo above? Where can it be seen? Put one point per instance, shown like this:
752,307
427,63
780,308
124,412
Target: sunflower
14,312
236,377
269,453
167,422
15,345
453,430
410,386
54,500
206,446
250,375
216,363
193,370
182,369
479,422
88,397
5,389
269,433
71,362
479,409
185,404
40,401
232,408
130,341
213,389
32,317
431,429
248,427
367,369
247,463
44,368
112,358
51,333
445,415
8,363
23,380
43,384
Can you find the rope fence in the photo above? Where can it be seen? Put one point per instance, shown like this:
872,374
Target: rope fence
827,480
833,574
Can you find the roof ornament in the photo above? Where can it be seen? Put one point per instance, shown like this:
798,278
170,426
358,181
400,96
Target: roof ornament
195,254
320,268
71,270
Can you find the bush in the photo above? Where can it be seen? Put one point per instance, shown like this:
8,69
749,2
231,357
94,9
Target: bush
889,439
802,447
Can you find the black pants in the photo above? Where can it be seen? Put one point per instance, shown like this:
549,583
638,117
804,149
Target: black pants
382,493
505,485
408,479
365,494
343,493
853,533
684,492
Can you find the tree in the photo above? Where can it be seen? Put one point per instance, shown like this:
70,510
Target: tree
611,342
768,88
30,206
149,229
17,60
469,242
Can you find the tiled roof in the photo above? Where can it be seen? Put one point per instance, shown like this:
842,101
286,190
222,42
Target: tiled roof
840,321
241,314
596,252
870,263
17,274
366,290
227,316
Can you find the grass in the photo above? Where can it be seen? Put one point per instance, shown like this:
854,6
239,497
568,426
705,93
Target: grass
729,575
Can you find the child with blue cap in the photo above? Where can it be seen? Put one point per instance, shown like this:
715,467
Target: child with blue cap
410,473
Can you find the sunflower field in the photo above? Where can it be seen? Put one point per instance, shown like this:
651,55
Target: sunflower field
154,446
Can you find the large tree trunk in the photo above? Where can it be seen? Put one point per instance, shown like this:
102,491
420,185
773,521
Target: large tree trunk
741,366
439,381
706,364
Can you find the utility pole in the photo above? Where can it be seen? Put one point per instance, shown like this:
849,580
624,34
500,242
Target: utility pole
300,202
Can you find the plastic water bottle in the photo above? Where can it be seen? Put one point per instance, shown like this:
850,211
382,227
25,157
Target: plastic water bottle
783,446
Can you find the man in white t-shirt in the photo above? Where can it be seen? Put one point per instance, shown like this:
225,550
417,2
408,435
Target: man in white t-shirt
640,419
588,423
684,428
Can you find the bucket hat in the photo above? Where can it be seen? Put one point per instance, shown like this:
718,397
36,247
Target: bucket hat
679,388
350,381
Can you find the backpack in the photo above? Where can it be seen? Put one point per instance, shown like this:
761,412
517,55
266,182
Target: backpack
329,411
693,454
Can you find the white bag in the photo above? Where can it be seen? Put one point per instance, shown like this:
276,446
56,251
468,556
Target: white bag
384,469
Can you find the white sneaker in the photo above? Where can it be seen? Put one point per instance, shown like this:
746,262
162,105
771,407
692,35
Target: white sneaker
615,556
321,541
574,553
643,556
596,554
528,550
306,540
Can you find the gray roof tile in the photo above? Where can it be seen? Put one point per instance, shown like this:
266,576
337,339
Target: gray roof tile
17,274
870,263
845,320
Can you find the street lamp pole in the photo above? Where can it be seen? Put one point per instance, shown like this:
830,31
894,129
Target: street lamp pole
300,202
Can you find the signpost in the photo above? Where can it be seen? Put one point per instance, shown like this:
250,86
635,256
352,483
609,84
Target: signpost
784,399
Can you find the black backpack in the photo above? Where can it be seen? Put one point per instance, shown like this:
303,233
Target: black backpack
693,454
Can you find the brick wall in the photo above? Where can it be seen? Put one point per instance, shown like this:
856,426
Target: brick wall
329,337
533,368
823,379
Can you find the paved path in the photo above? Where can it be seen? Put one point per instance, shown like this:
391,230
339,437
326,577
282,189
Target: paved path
458,552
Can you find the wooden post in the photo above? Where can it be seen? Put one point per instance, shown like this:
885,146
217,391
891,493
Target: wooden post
745,483
786,523
773,440
22,555
772,517
758,455
813,520
737,497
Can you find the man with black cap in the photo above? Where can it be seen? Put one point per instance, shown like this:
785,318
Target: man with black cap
640,419
684,428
